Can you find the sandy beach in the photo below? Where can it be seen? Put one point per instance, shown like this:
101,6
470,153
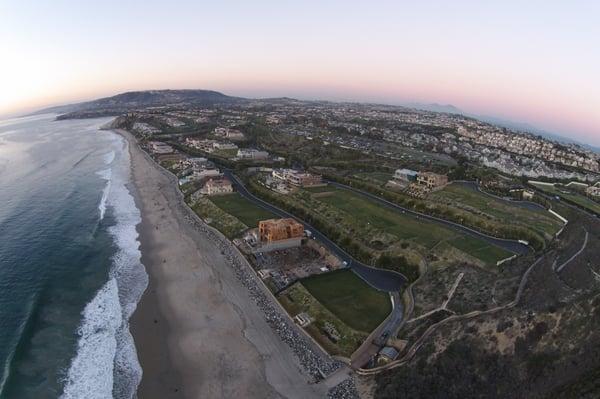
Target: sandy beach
197,331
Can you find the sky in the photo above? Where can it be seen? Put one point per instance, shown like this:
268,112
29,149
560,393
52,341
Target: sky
528,61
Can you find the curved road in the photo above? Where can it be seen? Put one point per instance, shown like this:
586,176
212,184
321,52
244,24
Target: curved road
510,245
380,279
383,280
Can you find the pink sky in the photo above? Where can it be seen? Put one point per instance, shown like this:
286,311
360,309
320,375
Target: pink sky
534,62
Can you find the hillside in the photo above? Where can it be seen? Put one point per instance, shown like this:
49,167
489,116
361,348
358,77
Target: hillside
138,99
543,345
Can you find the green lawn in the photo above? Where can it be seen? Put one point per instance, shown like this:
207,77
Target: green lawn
227,224
296,299
350,299
319,189
504,212
574,197
236,205
377,177
364,211
488,253
225,153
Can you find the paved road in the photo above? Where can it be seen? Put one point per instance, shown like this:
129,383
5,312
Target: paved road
378,338
510,245
585,242
393,322
383,280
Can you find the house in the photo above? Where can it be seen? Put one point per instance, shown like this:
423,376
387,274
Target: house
158,147
225,146
406,175
199,163
231,134
205,173
277,185
252,154
297,178
202,145
432,180
528,194
217,186
593,191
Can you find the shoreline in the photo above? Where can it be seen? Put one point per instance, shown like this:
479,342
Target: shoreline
197,329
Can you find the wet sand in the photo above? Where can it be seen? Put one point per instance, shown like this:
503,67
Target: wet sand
197,331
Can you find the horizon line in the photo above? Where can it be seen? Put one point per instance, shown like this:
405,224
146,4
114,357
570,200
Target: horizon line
412,104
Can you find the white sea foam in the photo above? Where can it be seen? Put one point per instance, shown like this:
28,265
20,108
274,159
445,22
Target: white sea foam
120,374
109,157
106,175
96,348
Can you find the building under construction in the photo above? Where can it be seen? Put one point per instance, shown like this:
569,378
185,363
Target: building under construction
276,234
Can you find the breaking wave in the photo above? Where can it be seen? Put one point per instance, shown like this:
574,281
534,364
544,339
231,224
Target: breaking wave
106,175
106,363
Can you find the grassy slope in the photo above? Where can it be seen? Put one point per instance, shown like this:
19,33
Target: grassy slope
406,227
579,199
378,177
350,299
490,254
222,221
241,208
297,299
503,211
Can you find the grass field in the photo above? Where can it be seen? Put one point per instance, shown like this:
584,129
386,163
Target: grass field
402,226
227,154
427,234
350,299
221,220
377,177
244,210
504,212
319,189
489,254
576,198
296,299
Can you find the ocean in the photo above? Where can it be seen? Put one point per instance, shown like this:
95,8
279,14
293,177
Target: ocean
70,270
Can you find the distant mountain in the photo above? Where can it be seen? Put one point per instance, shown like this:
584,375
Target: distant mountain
434,107
526,127
519,126
143,99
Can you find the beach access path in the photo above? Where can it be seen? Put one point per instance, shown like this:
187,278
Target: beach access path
197,331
